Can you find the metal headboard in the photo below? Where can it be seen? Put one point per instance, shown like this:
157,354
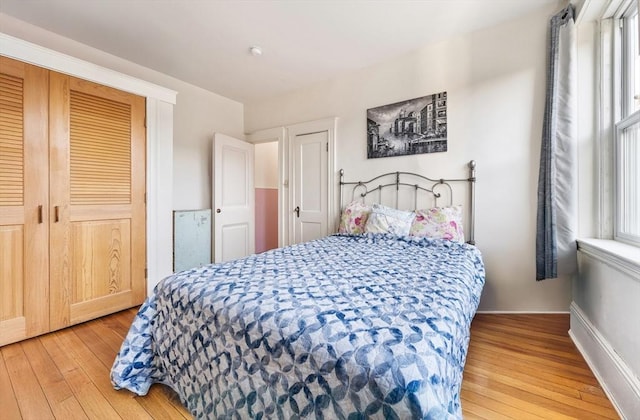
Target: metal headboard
428,185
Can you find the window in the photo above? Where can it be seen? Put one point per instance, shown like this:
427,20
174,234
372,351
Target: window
627,131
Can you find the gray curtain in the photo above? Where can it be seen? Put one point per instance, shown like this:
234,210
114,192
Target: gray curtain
557,219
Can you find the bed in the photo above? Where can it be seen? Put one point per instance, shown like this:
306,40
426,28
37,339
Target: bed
350,326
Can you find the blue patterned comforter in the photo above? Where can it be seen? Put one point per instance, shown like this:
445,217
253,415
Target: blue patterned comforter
345,327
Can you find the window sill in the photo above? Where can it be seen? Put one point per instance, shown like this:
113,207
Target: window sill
617,254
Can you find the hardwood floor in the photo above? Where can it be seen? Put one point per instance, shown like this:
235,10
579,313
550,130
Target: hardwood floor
518,366
526,366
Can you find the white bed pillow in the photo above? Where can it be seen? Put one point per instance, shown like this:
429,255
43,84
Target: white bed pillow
388,220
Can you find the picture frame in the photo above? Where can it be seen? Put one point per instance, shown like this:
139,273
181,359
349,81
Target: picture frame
408,127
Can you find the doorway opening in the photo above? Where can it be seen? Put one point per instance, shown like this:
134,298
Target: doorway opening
283,148
266,195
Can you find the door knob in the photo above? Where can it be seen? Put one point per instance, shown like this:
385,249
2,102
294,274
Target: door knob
297,211
218,211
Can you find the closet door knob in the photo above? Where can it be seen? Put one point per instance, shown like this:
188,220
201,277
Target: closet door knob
40,213
218,211
56,212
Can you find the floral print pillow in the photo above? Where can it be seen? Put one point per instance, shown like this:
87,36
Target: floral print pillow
354,218
387,220
439,223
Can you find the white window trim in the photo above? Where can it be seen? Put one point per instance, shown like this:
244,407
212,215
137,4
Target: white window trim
605,171
620,127
609,73
623,117
618,255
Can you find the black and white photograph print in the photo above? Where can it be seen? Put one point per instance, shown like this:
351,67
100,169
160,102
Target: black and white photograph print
409,127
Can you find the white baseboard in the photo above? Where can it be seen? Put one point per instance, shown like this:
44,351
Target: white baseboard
617,380
523,312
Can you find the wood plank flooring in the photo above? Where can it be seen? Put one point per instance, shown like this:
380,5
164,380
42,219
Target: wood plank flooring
527,367
518,367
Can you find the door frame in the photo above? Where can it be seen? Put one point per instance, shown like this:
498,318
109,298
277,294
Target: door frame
283,136
159,123
269,135
329,125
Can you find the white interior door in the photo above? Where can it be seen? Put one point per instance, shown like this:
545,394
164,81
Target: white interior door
309,202
233,199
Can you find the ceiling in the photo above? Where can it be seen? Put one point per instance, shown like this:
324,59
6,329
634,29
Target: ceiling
206,42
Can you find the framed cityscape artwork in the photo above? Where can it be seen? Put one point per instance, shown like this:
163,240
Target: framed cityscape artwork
409,127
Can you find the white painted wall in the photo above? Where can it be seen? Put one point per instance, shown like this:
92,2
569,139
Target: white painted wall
604,326
197,115
266,165
495,81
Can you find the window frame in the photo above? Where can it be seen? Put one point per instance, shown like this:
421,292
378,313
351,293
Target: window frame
627,58
619,235
624,115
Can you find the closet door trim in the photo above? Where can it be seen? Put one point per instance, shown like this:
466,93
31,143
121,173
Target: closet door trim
160,102
28,52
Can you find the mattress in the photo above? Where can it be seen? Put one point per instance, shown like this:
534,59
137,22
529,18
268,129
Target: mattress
344,327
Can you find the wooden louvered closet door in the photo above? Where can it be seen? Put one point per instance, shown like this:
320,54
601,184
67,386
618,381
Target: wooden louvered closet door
97,189
72,192
24,193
